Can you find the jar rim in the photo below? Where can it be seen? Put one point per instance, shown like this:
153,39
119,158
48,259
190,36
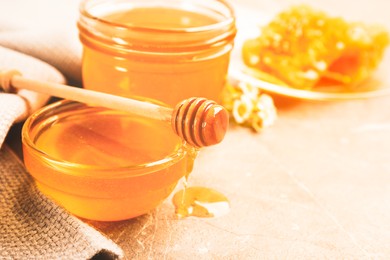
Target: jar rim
92,170
228,21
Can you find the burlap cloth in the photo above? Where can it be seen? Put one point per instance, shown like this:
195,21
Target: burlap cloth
32,226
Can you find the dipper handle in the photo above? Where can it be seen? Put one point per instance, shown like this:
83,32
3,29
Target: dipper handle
200,122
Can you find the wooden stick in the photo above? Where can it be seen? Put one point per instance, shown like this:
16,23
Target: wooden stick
200,122
91,97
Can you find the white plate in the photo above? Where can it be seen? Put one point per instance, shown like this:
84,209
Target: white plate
248,23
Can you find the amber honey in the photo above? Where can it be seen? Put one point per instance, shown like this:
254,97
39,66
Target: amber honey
102,164
307,48
163,50
200,202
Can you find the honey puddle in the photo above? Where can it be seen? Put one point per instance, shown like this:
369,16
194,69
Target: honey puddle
200,202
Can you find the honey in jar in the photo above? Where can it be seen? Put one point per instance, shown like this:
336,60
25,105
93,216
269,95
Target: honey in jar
164,50
103,164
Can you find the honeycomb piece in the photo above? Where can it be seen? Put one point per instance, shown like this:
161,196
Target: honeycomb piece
304,47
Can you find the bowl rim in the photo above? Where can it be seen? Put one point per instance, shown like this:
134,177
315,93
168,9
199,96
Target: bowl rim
85,170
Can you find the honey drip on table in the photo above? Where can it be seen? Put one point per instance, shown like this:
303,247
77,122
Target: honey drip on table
199,202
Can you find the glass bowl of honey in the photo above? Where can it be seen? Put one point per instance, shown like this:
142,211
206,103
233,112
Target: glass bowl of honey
166,50
103,164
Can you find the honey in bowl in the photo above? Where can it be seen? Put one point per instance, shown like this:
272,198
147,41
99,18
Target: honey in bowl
102,164
162,50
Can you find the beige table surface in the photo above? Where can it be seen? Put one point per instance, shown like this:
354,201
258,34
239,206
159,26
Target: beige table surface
316,185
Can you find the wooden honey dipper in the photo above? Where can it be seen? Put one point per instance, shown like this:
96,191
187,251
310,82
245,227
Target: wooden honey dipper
198,121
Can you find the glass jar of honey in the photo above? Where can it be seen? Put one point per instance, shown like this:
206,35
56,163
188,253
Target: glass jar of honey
166,50
103,164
